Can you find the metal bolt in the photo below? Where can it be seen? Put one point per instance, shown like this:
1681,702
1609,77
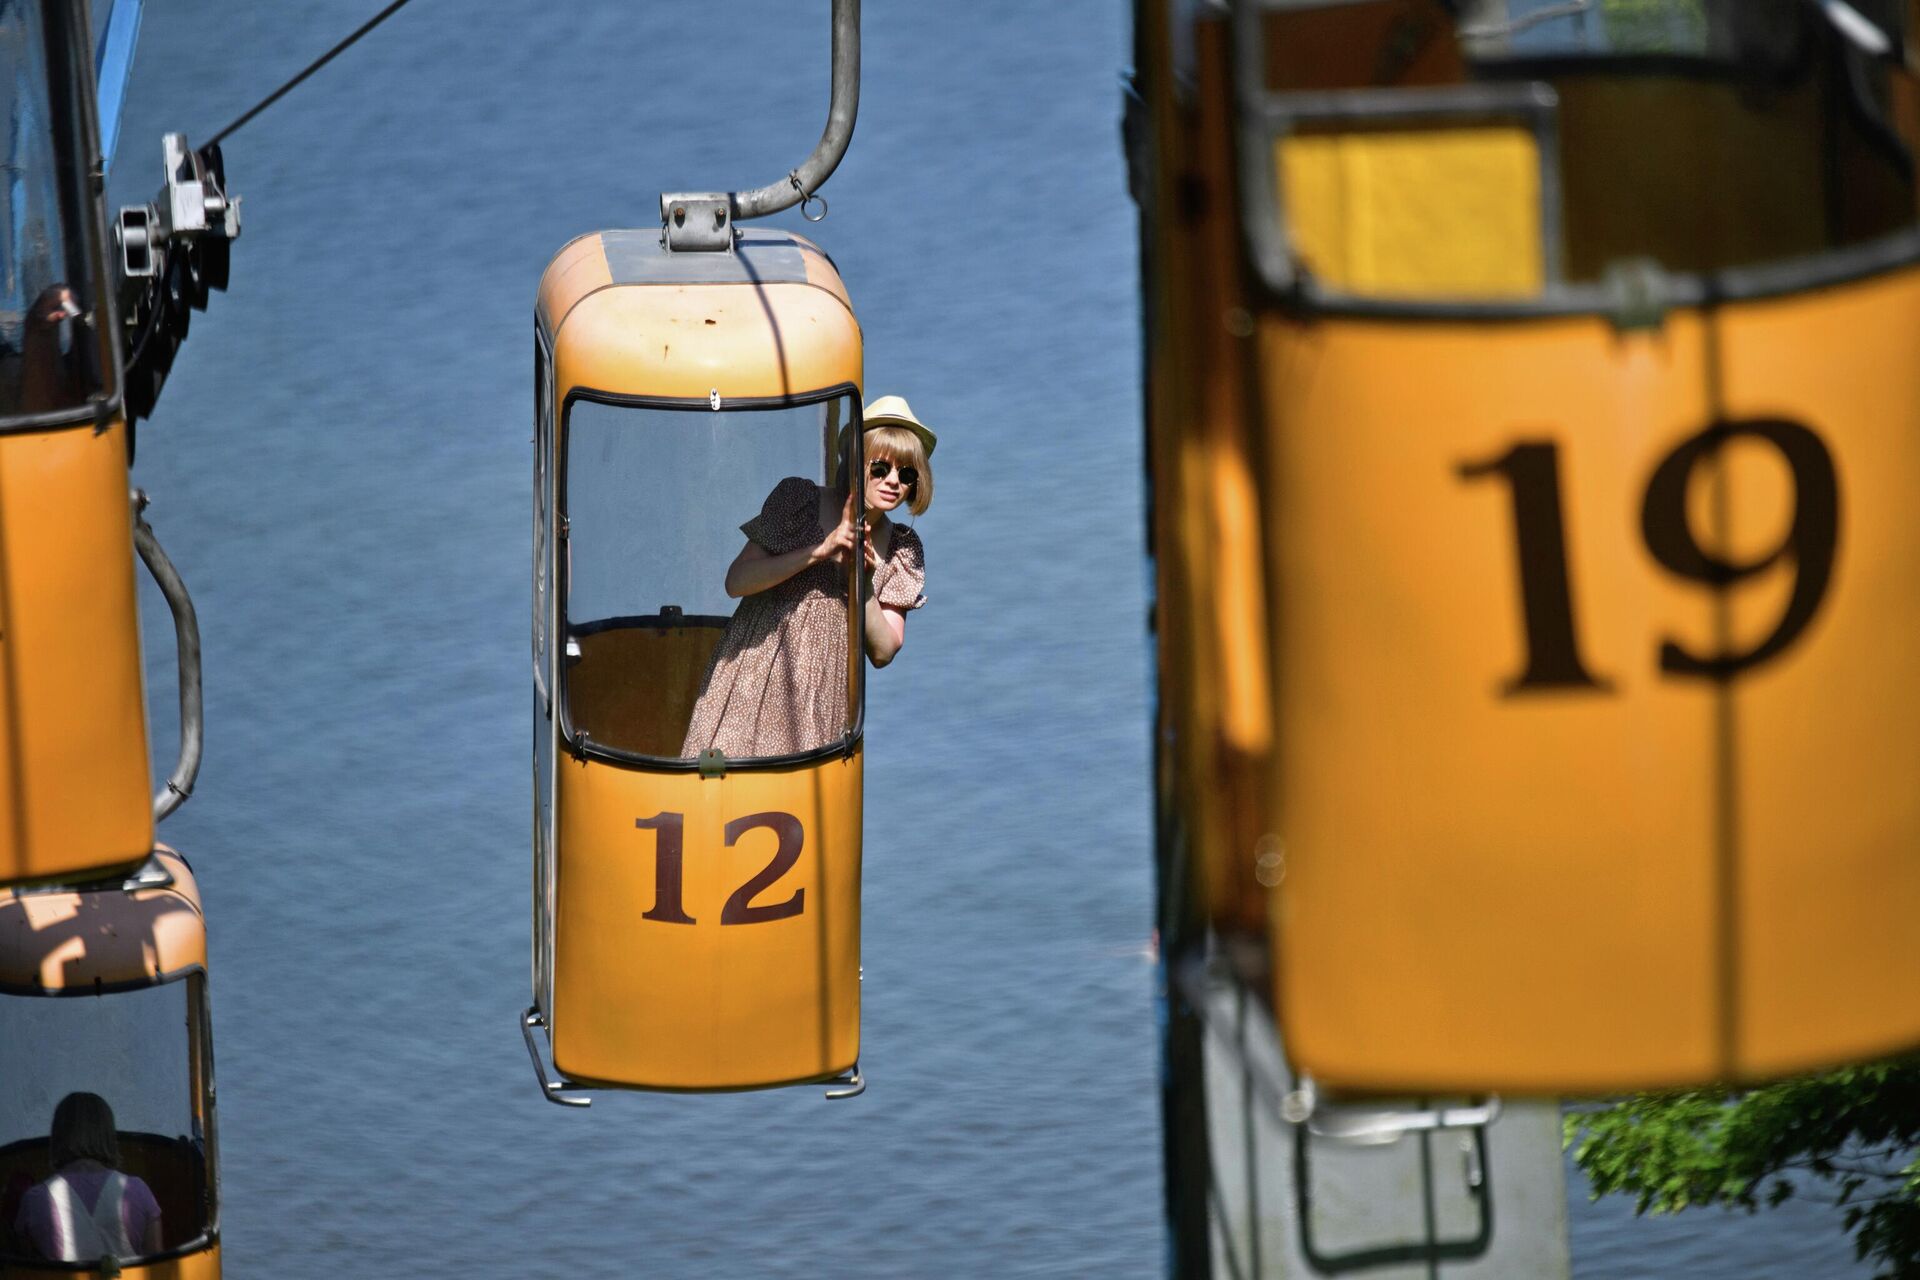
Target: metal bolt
1269,860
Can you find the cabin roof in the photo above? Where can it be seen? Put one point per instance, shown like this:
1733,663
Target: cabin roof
102,938
621,258
622,316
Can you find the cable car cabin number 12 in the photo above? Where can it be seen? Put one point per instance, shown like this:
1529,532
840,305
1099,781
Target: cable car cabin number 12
697,915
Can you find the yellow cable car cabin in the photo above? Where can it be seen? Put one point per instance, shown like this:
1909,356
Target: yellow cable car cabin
103,999
74,799
696,917
1570,385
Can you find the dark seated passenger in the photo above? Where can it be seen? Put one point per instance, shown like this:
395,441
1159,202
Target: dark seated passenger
88,1209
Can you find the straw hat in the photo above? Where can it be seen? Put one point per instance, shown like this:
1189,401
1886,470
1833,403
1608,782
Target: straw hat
893,411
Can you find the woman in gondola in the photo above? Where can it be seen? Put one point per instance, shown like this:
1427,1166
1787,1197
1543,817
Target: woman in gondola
777,684
88,1209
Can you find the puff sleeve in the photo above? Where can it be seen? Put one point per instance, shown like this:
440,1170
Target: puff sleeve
788,519
905,584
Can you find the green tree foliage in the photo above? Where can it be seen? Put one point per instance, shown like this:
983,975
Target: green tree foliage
1849,1136
1655,26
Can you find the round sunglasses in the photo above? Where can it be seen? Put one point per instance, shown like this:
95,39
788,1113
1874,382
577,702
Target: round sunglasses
878,468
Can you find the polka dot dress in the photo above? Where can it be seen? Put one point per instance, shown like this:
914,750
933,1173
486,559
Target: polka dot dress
777,684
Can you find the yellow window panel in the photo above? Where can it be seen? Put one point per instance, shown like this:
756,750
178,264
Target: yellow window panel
1416,213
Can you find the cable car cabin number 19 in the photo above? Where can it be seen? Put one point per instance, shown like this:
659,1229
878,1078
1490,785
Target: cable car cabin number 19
1595,715
1531,470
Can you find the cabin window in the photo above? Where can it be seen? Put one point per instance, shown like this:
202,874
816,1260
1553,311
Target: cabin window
141,1051
50,299
654,497
1763,35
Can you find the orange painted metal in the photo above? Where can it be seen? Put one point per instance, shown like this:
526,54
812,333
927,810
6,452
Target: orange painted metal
75,796
684,341
203,1265
1210,615
55,941
706,1004
1652,876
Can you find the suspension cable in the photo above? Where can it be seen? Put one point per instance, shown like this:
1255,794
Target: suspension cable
312,67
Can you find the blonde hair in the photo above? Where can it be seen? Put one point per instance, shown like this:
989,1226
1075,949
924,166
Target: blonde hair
897,444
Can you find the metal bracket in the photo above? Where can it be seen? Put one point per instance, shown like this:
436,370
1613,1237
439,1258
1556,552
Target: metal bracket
196,204
559,1091
1640,294
713,763
153,874
698,222
140,236
192,204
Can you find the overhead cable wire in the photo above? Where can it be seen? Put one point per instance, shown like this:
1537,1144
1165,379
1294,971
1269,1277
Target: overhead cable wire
312,67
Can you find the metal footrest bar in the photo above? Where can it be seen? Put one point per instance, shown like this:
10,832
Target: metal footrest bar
555,1091
1366,1125
850,1085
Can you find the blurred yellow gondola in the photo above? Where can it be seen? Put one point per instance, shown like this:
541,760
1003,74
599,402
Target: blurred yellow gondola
103,992
1550,460
74,799
1584,448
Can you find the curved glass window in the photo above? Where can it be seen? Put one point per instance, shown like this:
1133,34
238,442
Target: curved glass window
1763,35
144,1052
653,499
51,350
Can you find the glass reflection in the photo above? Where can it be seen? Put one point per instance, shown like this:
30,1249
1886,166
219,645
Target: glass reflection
49,351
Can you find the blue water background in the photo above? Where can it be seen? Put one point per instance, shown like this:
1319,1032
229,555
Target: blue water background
341,468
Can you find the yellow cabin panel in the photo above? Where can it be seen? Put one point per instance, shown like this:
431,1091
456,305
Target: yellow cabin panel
718,946
1210,614
686,341
1483,883
1826,735
576,271
1416,212
1595,729
75,800
627,317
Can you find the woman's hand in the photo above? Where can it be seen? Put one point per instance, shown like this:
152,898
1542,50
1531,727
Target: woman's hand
839,544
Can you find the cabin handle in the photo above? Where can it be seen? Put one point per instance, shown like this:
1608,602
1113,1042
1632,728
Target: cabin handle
186,636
